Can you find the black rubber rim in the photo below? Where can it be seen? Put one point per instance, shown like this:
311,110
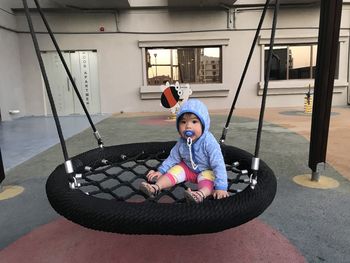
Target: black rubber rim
158,218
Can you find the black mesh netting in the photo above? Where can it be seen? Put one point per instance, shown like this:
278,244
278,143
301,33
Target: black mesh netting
108,196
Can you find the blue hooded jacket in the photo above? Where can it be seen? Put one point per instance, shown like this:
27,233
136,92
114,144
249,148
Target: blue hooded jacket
206,151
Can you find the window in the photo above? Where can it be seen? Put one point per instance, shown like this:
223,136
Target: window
294,62
184,64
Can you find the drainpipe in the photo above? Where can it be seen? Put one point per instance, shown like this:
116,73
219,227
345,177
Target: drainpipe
116,17
231,16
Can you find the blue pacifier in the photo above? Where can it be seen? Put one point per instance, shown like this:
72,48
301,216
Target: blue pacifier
188,133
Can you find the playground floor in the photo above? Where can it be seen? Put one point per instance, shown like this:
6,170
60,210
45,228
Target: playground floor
305,223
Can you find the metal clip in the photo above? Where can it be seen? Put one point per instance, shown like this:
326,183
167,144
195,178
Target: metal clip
223,136
68,165
99,139
253,177
75,184
244,172
255,163
252,182
97,135
235,164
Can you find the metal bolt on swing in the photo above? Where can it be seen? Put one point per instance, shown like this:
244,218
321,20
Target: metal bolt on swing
104,161
99,139
235,169
74,184
68,165
223,136
253,180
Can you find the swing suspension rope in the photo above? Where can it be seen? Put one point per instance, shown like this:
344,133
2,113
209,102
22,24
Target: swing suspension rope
68,164
91,170
255,159
96,133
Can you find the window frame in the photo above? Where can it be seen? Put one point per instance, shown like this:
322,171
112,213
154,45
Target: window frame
301,86
199,89
288,48
176,66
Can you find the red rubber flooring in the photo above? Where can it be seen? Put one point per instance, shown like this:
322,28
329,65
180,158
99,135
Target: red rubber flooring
63,241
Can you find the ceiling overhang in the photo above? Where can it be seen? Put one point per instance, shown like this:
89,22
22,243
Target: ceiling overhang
94,4
199,3
124,4
132,4
282,2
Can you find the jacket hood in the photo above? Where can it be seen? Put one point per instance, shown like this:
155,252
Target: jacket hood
199,109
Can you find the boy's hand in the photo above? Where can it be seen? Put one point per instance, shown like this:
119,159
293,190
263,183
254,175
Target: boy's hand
153,175
219,194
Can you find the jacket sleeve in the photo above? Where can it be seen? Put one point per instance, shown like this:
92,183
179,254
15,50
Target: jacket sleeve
173,159
217,164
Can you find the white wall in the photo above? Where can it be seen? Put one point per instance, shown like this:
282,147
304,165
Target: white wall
120,57
11,87
11,93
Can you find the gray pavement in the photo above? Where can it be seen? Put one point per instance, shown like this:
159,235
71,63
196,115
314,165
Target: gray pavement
25,137
316,222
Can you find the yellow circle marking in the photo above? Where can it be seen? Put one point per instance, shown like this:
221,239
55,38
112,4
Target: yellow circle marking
323,183
10,191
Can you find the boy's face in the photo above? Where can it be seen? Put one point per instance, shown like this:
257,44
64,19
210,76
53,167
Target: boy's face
190,122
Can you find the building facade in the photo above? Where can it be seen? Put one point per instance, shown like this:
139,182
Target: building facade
120,55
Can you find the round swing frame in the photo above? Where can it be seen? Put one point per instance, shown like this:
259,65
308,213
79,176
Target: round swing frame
150,217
